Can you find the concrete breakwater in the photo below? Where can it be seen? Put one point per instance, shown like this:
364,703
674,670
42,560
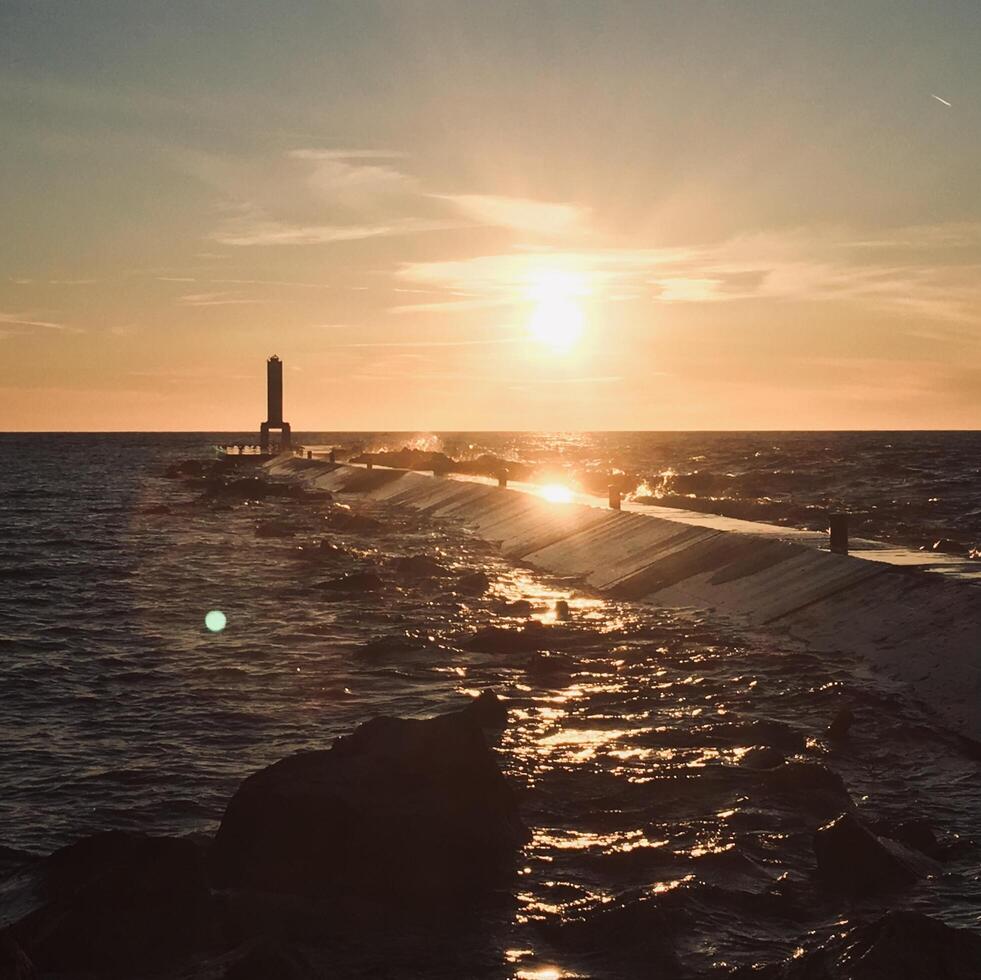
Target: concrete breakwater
919,629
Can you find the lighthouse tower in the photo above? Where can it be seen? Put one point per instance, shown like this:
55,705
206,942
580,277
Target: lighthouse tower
274,410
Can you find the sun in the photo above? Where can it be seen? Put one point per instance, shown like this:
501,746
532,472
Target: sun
556,493
557,319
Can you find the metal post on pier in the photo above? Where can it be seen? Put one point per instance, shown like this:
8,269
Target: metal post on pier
614,498
839,533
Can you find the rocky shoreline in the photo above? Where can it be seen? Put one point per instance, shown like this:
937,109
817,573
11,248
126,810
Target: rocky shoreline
389,853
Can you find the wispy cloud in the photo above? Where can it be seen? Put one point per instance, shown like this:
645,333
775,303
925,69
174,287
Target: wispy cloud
27,320
920,279
243,232
433,343
521,214
216,299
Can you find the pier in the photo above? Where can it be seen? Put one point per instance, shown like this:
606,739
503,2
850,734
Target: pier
914,617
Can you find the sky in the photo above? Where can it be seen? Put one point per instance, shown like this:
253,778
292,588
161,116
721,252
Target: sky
552,214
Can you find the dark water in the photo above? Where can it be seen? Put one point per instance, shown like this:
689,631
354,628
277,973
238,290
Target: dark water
119,709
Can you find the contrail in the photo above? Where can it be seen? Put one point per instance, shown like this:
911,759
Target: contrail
944,101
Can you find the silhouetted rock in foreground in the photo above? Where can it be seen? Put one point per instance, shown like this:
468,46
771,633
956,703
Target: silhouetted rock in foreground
852,859
401,809
15,964
119,902
899,946
267,959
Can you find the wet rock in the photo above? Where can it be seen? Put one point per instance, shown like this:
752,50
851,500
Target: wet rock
396,644
520,608
852,859
15,964
762,757
189,467
550,668
898,946
810,785
344,520
119,902
236,491
474,583
915,833
487,710
501,639
771,733
635,925
417,567
275,529
355,582
840,724
401,812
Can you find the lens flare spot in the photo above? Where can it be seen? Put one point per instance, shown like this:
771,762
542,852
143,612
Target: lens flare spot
216,620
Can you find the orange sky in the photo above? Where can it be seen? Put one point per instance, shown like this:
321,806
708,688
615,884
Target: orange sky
454,216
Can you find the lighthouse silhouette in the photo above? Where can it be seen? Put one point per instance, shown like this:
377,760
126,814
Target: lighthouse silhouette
274,409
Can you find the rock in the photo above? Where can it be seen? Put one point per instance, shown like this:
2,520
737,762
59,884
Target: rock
119,902
407,813
898,946
842,721
562,612
15,964
416,567
268,959
343,520
189,467
487,710
501,639
811,786
762,757
236,491
774,734
355,582
852,859
631,926
520,608
914,832
474,583
550,668
275,529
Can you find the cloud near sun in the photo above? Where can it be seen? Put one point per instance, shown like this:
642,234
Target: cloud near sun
347,195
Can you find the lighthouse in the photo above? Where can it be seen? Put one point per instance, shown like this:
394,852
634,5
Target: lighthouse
274,406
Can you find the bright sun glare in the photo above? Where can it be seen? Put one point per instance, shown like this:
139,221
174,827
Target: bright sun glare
557,319
556,493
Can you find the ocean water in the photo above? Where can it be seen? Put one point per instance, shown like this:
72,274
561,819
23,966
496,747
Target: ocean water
118,708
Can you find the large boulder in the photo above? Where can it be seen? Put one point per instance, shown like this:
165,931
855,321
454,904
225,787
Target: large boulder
118,902
15,964
850,858
398,810
898,946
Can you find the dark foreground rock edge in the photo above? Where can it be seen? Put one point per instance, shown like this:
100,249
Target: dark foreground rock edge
405,821
404,824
